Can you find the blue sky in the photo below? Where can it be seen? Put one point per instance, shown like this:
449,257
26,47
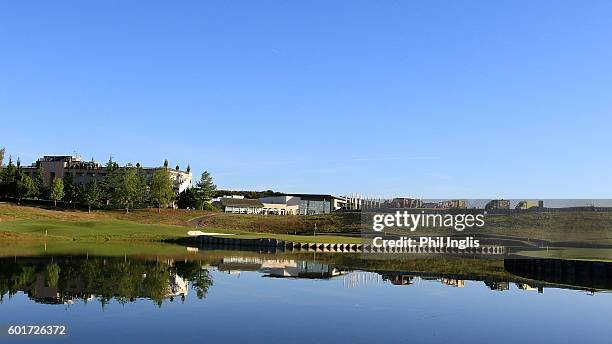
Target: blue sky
387,98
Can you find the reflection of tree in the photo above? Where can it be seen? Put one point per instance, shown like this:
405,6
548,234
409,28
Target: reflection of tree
52,274
199,277
105,278
201,283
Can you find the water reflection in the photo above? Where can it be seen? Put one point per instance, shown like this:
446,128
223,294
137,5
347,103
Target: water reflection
279,268
63,280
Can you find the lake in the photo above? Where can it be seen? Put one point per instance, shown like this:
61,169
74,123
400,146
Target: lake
232,296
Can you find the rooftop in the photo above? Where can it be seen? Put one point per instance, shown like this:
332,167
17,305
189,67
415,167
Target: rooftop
236,202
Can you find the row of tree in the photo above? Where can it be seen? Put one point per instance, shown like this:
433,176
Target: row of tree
122,187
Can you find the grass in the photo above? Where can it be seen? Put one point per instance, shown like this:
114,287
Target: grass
107,249
571,253
23,223
29,223
106,230
588,227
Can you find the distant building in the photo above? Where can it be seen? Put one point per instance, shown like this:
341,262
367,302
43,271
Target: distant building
292,204
406,203
498,204
357,202
57,166
311,204
240,205
453,204
526,205
280,205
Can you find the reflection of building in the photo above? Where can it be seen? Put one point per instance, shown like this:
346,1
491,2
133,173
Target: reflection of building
398,279
498,204
177,286
42,291
280,267
497,285
56,166
355,279
527,287
453,282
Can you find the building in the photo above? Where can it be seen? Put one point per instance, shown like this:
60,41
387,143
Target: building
240,205
357,202
527,205
402,202
453,204
311,204
280,205
57,166
498,204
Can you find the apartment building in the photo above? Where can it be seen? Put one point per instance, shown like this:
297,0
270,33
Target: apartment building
57,166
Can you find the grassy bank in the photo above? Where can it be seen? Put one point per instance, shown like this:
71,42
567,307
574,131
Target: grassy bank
24,223
27,223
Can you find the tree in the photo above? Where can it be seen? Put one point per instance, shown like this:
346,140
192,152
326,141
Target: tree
110,181
7,175
142,188
166,163
52,274
25,187
71,189
92,194
160,188
57,190
206,188
127,190
189,199
41,191
1,175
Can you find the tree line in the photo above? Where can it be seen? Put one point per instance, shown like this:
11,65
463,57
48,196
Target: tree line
125,187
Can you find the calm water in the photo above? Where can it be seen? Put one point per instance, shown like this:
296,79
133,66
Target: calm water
234,297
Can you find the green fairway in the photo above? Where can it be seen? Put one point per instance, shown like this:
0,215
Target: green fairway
90,230
91,248
116,230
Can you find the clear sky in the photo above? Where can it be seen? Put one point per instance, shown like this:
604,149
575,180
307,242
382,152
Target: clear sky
387,98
